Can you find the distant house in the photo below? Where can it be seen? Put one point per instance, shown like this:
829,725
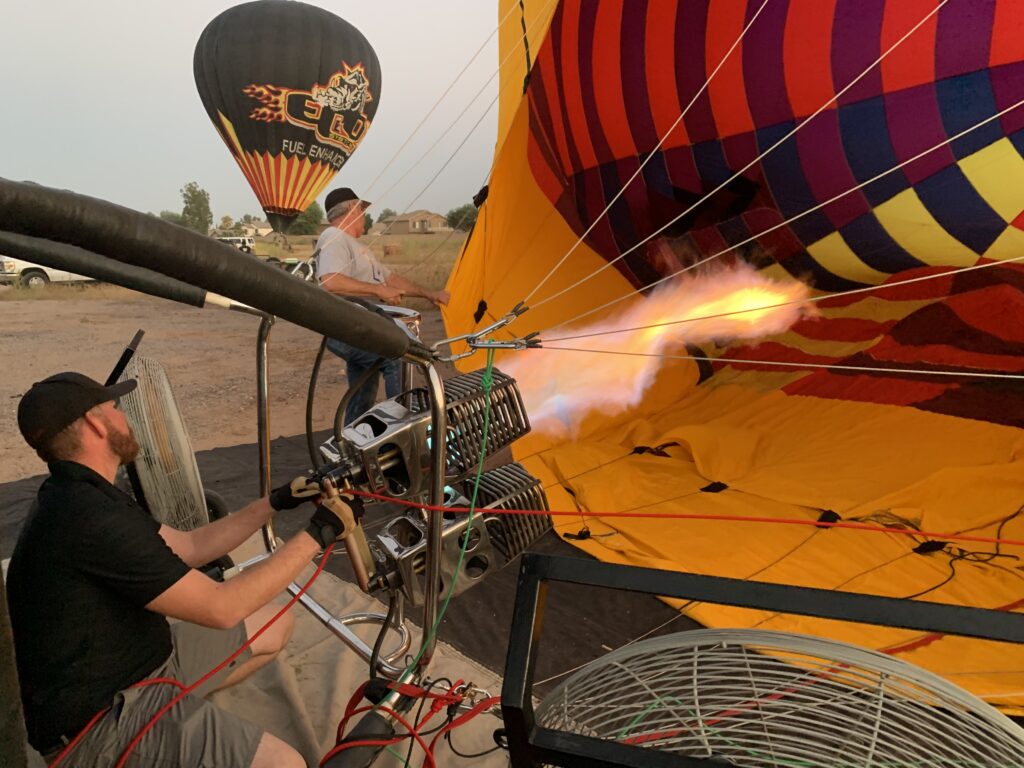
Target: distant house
416,223
256,228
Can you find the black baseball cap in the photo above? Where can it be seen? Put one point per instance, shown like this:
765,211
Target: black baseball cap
342,195
52,404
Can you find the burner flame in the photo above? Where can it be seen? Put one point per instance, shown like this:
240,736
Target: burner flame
560,389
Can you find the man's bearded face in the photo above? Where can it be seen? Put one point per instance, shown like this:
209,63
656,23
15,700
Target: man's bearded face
122,442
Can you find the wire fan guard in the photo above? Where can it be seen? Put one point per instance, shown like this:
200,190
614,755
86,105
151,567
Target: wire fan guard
511,487
166,466
761,698
466,405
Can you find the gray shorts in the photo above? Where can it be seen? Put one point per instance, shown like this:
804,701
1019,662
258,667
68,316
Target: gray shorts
194,733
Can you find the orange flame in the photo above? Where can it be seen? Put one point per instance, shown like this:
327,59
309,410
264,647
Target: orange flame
561,388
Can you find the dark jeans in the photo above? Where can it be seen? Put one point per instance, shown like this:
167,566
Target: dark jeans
357,361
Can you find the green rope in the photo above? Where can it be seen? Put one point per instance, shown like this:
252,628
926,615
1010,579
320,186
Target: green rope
486,383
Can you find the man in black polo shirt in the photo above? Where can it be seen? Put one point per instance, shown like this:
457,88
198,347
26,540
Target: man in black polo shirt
93,577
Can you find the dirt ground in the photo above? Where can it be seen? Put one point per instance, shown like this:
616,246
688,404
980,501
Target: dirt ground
209,356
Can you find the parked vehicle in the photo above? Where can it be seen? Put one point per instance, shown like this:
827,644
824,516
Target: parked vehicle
28,275
286,263
244,244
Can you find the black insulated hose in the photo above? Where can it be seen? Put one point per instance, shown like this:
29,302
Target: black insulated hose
144,241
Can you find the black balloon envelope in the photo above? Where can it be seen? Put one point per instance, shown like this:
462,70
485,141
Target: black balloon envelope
292,89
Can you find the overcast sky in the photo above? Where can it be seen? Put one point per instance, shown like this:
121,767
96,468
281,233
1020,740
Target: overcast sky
100,99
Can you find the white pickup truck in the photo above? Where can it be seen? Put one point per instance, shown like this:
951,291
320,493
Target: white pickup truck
15,271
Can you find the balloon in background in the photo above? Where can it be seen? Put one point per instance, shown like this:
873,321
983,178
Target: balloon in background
292,89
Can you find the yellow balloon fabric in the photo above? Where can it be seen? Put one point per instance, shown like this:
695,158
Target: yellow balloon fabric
790,433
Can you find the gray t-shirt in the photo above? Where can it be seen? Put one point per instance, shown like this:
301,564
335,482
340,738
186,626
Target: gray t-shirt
337,251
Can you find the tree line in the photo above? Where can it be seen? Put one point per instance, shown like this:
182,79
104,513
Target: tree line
196,215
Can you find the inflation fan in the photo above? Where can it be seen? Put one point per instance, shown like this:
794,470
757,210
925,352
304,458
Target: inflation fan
166,473
761,698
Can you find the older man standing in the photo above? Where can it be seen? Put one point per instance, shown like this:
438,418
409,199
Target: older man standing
346,267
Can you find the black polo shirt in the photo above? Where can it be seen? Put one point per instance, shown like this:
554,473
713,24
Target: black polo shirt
87,561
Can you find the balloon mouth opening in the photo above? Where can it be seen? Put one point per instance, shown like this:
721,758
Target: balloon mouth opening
281,222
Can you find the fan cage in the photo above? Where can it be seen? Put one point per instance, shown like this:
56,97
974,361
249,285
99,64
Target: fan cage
511,487
466,406
760,698
166,466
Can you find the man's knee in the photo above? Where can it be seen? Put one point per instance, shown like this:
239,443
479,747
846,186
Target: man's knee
274,753
287,622
280,633
277,635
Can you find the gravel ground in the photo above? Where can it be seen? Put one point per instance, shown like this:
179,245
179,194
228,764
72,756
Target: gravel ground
209,356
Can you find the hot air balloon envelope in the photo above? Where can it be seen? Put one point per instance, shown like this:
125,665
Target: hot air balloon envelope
874,146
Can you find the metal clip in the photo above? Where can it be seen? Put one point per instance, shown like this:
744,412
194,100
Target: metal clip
471,695
529,341
477,341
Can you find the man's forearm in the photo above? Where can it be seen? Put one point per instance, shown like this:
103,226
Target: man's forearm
343,285
255,587
406,286
221,536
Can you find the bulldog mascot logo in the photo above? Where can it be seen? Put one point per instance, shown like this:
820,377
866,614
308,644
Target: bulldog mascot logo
336,111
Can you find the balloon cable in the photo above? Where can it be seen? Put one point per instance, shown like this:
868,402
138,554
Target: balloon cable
816,523
789,364
786,222
442,98
451,125
650,154
739,173
823,297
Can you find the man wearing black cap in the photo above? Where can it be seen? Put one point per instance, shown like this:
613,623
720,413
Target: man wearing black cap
346,267
93,577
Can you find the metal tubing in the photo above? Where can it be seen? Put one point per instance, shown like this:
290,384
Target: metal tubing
407,369
355,544
263,419
409,318
340,628
431,587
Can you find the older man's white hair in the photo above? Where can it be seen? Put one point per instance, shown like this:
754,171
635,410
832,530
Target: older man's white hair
341,209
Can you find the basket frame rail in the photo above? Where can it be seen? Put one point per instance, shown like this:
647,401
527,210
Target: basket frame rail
340,626
531,745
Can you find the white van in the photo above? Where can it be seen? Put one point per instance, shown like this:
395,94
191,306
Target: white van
244,244
25,273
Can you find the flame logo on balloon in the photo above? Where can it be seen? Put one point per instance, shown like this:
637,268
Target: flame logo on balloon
336,111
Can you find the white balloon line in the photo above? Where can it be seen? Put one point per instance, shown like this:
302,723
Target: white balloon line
441,98
790,220
748,166
650,155
454,122
787,364
823,297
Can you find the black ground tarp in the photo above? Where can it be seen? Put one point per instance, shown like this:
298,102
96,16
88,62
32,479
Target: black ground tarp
580,623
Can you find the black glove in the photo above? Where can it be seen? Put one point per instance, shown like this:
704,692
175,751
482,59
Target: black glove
289,496
335,518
